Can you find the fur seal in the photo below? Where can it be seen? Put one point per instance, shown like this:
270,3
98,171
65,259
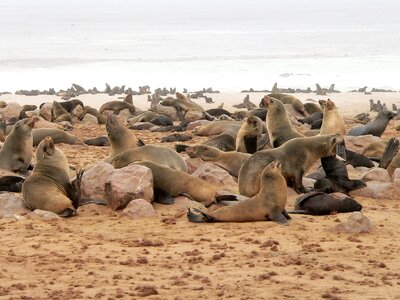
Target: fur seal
58,136
223,142
312,118
49,186
16,153
121,138
279,127
312,108
70,105
358,160
230,161
296,155
158,154
101,119
176,137
59,114
259,112
332,121
318,203
248,134
117,106
25,108
10,181
217,112
162,120
218,127
375,127
100,141
336,178
391,156
268,204
170,182
145,116
289,99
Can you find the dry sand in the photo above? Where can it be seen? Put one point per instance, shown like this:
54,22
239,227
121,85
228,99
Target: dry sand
103,255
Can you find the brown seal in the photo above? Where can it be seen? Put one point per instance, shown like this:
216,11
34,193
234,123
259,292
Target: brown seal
218,127
172,183
101,119
279,127
230,161
49,186
158,154
121,138
117,106
268,204
59,114
297,156
58,136
332,121
248,134
16,153
290,99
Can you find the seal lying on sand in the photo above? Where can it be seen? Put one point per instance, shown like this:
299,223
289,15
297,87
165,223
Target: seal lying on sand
171,183
49,186
317,203
230,161
16,153
268,204
223,142
297,157
58,136
375,127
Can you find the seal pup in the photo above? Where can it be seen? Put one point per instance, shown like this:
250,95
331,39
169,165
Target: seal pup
296,155
336,178
170,182
279,127
16,153
49,186
158,154
268,204
248,134
318,203
120,137
58,136
230,161
375,127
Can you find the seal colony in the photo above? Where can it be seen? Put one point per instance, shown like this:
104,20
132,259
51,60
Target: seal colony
266,156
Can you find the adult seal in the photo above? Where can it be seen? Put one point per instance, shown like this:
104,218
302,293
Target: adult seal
49,186
279,127
289,99
230,161
297,156
375,127
16,153
268,204
58,136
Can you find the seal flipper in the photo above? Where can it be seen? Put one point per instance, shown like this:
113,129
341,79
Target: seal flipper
162,197
180,148
341,150
286,214
69,212
74,189
86,201
390,151
278,218
11,183
140,143
250,142
199,216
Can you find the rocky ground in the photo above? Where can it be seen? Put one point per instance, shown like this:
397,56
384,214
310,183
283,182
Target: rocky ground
103,254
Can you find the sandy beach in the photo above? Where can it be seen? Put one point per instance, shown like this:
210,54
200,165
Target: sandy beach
101,254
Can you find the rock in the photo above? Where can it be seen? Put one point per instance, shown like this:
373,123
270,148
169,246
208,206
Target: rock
43,214
193,125
94,180
169,111
377,174
396,176
378,190
193,115
350,168
193,164
356,223
358,143
129,183
308,182
12,110
88,118
45,111
12,206
216,176
361,170
139,208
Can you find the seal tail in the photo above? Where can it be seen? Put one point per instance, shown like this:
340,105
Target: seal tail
180,148
390,151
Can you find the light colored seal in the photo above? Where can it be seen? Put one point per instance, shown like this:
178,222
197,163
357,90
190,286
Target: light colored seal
248,134
332,121
297,156
58,136
268,204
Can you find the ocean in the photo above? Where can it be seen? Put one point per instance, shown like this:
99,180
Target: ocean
227,45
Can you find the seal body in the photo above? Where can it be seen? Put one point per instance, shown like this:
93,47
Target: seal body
375,127
248,134
290,99
332,121
58,136
268,204
49,186
297,157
